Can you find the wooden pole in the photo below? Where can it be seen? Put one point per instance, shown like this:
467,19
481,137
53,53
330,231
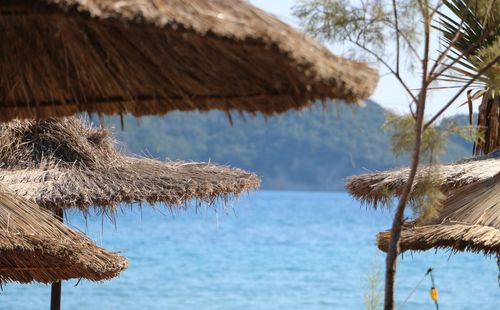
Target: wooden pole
55,291
55,296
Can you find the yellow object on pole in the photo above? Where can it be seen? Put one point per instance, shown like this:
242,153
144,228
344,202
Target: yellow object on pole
434,291
434,294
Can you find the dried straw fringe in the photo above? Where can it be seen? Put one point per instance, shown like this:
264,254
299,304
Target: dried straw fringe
37,247
457,237
152,57
381,187
469,220
67,164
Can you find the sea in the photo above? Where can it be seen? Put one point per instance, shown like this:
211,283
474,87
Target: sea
266,250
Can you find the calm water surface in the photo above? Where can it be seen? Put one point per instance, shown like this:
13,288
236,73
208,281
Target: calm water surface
275,250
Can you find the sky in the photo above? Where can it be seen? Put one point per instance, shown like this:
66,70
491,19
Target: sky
388,93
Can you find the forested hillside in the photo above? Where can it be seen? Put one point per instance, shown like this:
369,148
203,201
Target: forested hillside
308,150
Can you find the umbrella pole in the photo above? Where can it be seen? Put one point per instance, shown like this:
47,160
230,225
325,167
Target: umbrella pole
55,290
55,296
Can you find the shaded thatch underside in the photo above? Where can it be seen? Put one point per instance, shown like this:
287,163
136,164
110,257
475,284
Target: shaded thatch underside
469,220
66,164
152,57
35,246
380,187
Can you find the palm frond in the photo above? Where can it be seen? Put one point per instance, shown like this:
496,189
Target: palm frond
474,34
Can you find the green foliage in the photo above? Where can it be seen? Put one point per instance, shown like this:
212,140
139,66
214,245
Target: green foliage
485,55
478,22
310,150
434,139
368,23
373,296
403,137
427,197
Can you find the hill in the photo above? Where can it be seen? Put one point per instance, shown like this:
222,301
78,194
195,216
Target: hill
308,150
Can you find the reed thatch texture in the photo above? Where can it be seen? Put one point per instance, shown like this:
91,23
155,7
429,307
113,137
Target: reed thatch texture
155,56
380,187
473,238
67,164
35,246
469,220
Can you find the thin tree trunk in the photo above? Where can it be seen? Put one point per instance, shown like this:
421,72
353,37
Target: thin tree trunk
392,254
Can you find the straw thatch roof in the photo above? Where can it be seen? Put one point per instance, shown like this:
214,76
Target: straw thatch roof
67,164
469,220
154,56
35,246
381,187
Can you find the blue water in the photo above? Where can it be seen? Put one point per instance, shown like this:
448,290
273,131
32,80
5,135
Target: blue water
275,250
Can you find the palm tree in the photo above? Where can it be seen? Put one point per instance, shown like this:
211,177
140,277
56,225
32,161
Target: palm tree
478,23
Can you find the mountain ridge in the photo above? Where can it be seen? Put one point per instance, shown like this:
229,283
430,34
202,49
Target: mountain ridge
314,149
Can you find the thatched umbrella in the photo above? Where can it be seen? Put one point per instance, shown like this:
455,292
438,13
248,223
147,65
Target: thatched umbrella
65,164
468,221
155,56
380,187
62,164
35,246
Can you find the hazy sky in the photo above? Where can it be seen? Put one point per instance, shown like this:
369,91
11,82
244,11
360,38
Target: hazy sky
388,93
